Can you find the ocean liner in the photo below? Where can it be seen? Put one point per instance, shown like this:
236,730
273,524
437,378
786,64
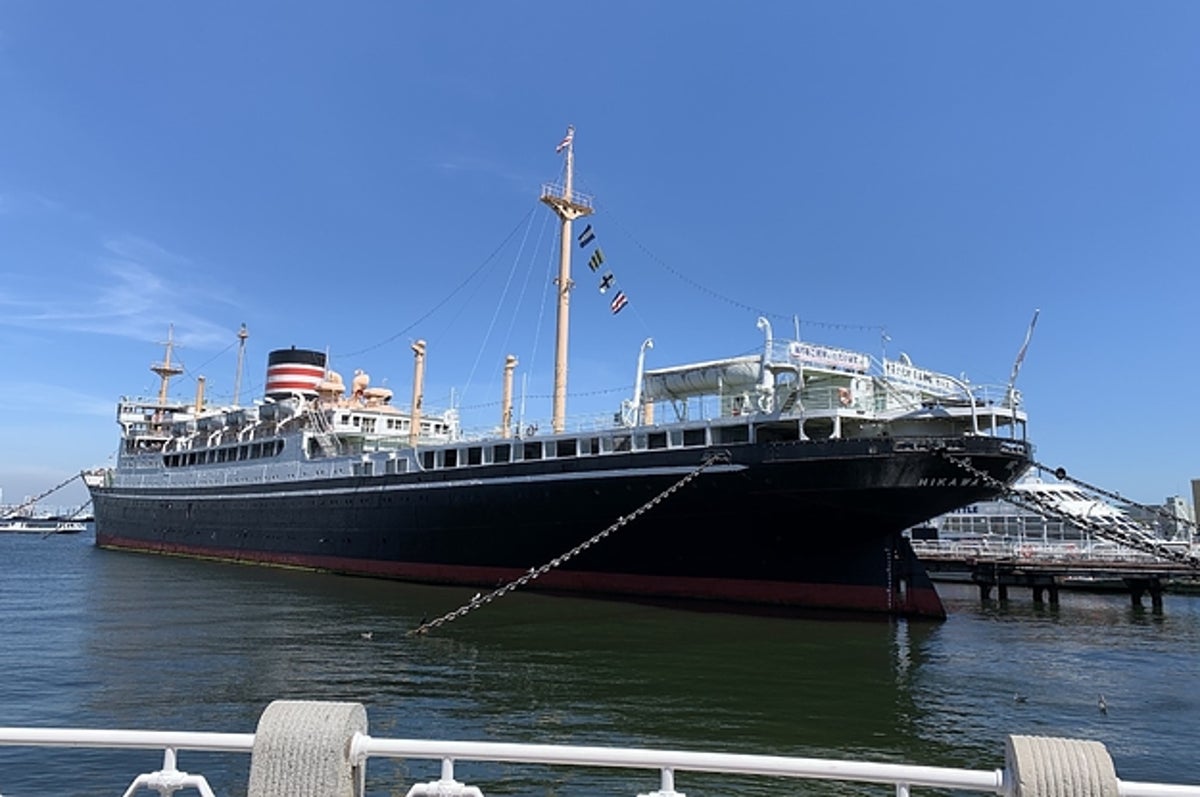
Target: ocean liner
806,464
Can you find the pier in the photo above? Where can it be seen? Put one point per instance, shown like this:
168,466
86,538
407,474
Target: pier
1048,570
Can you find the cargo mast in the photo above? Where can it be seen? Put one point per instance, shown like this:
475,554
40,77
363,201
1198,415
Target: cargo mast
568,206
165,370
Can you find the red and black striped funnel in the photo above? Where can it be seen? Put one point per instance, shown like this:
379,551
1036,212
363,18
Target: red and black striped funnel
291,371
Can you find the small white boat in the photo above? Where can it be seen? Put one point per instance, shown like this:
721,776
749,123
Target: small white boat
41,525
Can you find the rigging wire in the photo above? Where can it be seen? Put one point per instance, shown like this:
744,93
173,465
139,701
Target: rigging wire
512,323
194,373
547,396
470,277
210,360
729,300
500,303
537,330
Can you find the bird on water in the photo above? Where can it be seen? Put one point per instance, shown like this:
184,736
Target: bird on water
1103,705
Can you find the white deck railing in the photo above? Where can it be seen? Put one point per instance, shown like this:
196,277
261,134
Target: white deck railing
902,777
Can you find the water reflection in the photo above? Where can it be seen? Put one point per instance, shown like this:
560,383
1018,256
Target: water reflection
123,640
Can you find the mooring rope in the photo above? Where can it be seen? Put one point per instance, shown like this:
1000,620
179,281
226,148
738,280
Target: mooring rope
482,600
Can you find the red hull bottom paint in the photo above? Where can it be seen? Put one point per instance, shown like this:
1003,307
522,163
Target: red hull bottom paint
916,602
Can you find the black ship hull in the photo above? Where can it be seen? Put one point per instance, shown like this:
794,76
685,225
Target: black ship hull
790,525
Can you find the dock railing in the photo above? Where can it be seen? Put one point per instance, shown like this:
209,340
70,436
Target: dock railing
306,747
1030,548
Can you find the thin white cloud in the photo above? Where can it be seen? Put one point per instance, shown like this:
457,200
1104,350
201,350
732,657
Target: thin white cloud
140,250
137,289
66,400
11,203
466,165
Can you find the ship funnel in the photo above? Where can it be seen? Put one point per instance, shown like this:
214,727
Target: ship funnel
291,371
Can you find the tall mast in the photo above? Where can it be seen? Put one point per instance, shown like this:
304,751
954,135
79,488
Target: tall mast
237,383
569,206
414,417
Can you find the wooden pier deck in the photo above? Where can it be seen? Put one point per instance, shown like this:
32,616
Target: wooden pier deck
1048,570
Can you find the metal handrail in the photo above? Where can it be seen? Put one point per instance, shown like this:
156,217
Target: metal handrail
901,776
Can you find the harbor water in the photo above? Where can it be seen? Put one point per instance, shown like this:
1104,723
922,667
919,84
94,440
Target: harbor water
104,639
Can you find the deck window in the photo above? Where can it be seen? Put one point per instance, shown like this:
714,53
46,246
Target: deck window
502,453
731,434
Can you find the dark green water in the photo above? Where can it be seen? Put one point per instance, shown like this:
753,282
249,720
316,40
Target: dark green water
103,639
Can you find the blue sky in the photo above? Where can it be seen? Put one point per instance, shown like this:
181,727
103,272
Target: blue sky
354,176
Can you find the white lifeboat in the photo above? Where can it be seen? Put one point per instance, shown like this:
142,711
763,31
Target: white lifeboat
702,379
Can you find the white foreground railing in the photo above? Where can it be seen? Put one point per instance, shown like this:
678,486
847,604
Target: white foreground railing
1034,766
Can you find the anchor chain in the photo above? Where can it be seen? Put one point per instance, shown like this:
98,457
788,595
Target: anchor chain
1062,475
16,511
482,600
1127,537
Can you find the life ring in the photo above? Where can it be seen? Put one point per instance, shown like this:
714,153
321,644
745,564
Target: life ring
844,396
531,430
